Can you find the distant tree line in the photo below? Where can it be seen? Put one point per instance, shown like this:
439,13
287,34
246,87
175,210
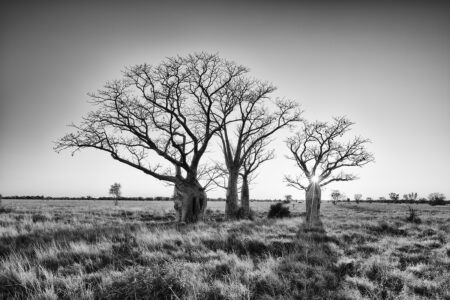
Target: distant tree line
411,198
121,198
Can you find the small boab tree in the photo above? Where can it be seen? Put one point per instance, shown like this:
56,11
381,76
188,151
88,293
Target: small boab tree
161,116
320,154
115,191
247,131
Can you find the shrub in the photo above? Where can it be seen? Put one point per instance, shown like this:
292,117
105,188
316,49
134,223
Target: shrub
279,211
5,210
240,214
413,216
436,199
39,218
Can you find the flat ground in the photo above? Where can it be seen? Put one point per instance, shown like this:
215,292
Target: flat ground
93,250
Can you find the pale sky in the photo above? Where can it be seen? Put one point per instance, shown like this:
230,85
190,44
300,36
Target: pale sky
386,66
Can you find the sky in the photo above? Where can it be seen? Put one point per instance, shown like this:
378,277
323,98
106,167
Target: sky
386,66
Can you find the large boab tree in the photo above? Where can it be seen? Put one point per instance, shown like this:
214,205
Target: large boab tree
319,153
158,117
255,119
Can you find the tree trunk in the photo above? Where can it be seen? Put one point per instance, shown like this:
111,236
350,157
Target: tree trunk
190,202
116,201
231,205
313,197
245,197
177,202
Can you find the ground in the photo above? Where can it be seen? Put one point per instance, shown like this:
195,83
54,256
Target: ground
93,250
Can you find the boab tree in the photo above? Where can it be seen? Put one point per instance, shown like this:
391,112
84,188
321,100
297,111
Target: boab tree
161,116
258,155
247,131
319,153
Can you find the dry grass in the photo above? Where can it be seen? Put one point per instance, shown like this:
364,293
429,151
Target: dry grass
49,250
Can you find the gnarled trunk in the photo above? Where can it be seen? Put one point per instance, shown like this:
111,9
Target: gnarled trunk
231,205
190,202
245,197
313,197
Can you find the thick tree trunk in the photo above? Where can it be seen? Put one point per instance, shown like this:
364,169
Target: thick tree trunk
245,197
231,205
190,202
177,202
313,197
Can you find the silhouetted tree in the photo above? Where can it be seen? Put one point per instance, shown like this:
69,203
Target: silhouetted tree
258,155
394,196
436,199
336,195
358,198
247,132
319,154
436,196
115,191
160,116
410,196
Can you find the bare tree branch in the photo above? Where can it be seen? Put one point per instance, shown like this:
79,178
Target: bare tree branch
156,115
318,152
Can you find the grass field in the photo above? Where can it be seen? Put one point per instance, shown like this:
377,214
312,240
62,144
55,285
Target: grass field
93,250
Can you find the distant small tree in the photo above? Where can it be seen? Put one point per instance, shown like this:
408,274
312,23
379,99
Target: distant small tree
436,196
336,195
394,196
358,198
115,191
369,198
287,198
410,196
436,199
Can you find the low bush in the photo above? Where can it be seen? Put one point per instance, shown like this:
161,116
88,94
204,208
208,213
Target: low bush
437,202
5,210
437,199
413,217
279,211
241,214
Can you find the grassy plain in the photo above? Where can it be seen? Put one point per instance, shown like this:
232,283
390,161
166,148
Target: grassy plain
93,250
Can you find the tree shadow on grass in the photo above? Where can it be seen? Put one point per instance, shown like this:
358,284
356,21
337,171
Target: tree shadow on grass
310,269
